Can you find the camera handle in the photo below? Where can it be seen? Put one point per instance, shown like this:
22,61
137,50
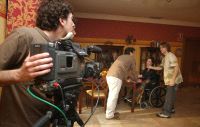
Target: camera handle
43,120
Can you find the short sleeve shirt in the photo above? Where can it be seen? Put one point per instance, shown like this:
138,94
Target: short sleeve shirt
169,63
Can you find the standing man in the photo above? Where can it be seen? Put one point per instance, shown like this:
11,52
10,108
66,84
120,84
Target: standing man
123,67
172,77
17,108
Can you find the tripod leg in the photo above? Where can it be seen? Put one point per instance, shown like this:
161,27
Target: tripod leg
56,124
78,119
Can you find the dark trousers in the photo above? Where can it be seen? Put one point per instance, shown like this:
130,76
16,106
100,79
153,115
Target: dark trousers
170,99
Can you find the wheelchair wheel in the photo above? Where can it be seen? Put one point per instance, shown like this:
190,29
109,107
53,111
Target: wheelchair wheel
157,96
144,105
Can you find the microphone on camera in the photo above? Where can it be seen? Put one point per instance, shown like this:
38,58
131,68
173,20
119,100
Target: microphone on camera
69,35
94,49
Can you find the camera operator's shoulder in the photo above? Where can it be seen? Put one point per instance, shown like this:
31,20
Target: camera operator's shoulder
23,29
23,32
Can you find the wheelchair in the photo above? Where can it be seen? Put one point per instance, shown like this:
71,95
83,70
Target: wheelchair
150,94
153,96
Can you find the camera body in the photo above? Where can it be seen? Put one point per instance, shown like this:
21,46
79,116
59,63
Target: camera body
66,64
68,59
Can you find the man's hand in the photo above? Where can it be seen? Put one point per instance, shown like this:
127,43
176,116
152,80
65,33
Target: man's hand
172,82
139,80
129,81
140,76
149,67
34,66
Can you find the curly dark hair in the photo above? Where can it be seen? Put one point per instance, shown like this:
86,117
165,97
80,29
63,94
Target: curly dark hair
49,13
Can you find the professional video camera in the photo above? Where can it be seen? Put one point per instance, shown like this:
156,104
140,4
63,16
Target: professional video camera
64,81
92,70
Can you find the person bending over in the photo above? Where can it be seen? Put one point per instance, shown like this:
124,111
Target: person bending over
123,67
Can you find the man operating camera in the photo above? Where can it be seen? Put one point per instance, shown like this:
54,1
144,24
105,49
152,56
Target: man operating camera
17,108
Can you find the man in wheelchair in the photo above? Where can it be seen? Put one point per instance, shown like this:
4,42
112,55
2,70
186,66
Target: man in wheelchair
146,82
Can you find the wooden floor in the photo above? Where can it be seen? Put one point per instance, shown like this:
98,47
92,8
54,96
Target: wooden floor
187,114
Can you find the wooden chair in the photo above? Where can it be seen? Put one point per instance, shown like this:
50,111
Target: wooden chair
86,85
93,93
